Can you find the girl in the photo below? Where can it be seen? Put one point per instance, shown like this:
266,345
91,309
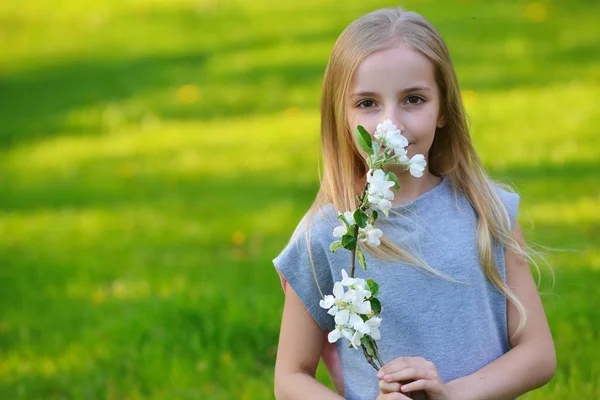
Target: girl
480,334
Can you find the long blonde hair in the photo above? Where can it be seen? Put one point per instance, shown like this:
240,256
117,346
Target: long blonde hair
452,154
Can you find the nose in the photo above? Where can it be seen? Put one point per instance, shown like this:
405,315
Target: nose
393,113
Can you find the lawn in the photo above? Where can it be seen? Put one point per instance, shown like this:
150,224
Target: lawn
156,155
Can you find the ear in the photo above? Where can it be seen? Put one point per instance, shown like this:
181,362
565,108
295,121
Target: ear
441,121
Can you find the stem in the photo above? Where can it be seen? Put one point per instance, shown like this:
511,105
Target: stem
371,343
376,351
362,207
354,253
368,357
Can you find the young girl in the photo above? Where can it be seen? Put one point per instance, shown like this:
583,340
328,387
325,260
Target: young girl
480,334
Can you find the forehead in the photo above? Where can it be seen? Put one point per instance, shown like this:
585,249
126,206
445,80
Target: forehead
396,67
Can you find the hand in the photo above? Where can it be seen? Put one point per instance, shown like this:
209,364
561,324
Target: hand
384,395
421,374
392,396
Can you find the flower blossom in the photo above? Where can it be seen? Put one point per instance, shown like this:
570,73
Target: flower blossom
372,235
393,138
379,193
341,230
383,128
353,305
417,165
351,310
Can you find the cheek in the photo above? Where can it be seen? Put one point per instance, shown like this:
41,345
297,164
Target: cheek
367,122
424,124
353,122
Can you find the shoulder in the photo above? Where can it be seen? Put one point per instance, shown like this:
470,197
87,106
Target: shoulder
310,239
306,264
509,199
318,223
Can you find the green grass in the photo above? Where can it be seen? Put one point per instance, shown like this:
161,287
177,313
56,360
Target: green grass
155,156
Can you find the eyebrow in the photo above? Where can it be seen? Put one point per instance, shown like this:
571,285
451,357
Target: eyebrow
406,90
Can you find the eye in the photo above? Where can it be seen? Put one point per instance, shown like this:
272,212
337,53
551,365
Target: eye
366,104
414,100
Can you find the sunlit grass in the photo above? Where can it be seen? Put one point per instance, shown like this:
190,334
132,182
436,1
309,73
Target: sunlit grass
156,155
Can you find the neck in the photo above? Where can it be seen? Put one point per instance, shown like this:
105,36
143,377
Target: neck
411,187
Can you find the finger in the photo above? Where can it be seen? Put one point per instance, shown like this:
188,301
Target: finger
389,387
400,363
392,396
431,387
410,374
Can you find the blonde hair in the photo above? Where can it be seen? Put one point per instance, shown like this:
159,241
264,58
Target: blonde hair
452,154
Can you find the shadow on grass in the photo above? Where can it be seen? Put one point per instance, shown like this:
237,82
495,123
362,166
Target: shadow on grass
36,104
101,186
40,103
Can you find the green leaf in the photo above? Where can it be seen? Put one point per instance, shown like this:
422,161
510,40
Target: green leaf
349,242
360,218
378,160
392,176
373,217
335,246
373,287
361,258
369,347
376,148
375,306
364,140
343,219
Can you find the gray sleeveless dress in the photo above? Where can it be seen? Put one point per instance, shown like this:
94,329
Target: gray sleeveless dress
460,327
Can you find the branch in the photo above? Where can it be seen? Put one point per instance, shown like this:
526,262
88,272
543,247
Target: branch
362,207
368,357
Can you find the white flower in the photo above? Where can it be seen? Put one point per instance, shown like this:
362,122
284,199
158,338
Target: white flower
383,128
341,230
360,305
381,190
378,181
383,204
349,297
358,324
327,302
396,141
349,215
393,138
346,280
342,317
356,301
373,325
355,341
371,235
402,155
333,311
333,302
353,283
417,165
379,193
350,310
338,332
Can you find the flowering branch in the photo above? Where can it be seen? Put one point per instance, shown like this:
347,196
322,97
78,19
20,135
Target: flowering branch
356,310
361,200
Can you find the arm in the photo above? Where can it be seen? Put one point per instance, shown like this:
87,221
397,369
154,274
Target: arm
300,344
531,362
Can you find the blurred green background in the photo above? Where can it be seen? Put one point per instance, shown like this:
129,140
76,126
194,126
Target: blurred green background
155,156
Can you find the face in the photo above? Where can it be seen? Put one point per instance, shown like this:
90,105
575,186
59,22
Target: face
398,84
